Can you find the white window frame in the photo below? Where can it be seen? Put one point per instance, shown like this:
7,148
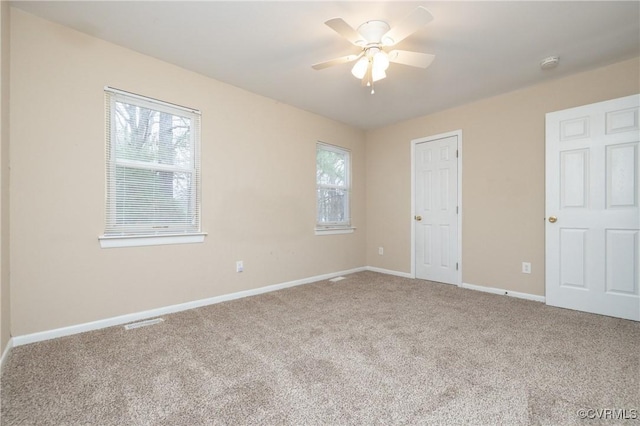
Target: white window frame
343,227
123,237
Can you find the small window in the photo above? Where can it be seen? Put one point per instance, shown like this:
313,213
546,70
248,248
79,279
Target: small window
152,171
333,188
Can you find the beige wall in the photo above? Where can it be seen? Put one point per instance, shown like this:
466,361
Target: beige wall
5,306
258,162
503,177
258,183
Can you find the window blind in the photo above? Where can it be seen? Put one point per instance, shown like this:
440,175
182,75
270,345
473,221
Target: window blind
152,166
332,186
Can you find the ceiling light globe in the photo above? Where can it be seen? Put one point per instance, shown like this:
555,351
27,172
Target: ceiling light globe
378,74
380,61
360,68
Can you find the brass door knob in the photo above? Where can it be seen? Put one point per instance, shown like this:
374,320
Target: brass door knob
418,218
553,219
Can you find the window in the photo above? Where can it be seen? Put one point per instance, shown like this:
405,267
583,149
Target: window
333,177
152,172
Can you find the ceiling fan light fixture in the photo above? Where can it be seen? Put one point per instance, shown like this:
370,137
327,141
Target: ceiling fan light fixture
374,36
377,74
380,61
360,68
379,64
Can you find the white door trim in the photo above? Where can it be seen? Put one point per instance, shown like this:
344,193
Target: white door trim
414,143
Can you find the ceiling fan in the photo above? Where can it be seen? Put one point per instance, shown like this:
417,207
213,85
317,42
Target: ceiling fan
374,38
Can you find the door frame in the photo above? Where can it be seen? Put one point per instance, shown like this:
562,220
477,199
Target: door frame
414,143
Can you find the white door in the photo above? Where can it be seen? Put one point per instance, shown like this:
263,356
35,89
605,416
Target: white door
435,212
593,221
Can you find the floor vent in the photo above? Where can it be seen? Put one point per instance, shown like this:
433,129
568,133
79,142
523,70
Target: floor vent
333,280
143,323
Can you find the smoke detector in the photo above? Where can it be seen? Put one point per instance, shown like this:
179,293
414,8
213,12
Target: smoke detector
550,62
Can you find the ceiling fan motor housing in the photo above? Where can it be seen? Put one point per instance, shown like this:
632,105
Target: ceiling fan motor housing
372,31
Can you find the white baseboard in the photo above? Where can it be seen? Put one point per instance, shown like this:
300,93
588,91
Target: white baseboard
389,272
137,316
5,353
503,292
152,313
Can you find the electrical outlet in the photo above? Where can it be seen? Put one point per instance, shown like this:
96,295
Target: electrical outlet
526,267
380,251
239,266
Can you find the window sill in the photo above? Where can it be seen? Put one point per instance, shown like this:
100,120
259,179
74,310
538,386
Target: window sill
112,241
335,230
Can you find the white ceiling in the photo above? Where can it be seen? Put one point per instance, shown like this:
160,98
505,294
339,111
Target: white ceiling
268,47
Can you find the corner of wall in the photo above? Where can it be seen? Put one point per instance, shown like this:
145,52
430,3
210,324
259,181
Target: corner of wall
5,298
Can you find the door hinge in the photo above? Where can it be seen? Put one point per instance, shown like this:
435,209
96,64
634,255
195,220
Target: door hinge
456,153
456,266
456,209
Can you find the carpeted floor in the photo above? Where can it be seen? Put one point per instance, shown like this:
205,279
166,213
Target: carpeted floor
371,349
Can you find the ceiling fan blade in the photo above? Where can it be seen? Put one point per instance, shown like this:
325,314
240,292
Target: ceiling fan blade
336,61
414,59
412,23
344,29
